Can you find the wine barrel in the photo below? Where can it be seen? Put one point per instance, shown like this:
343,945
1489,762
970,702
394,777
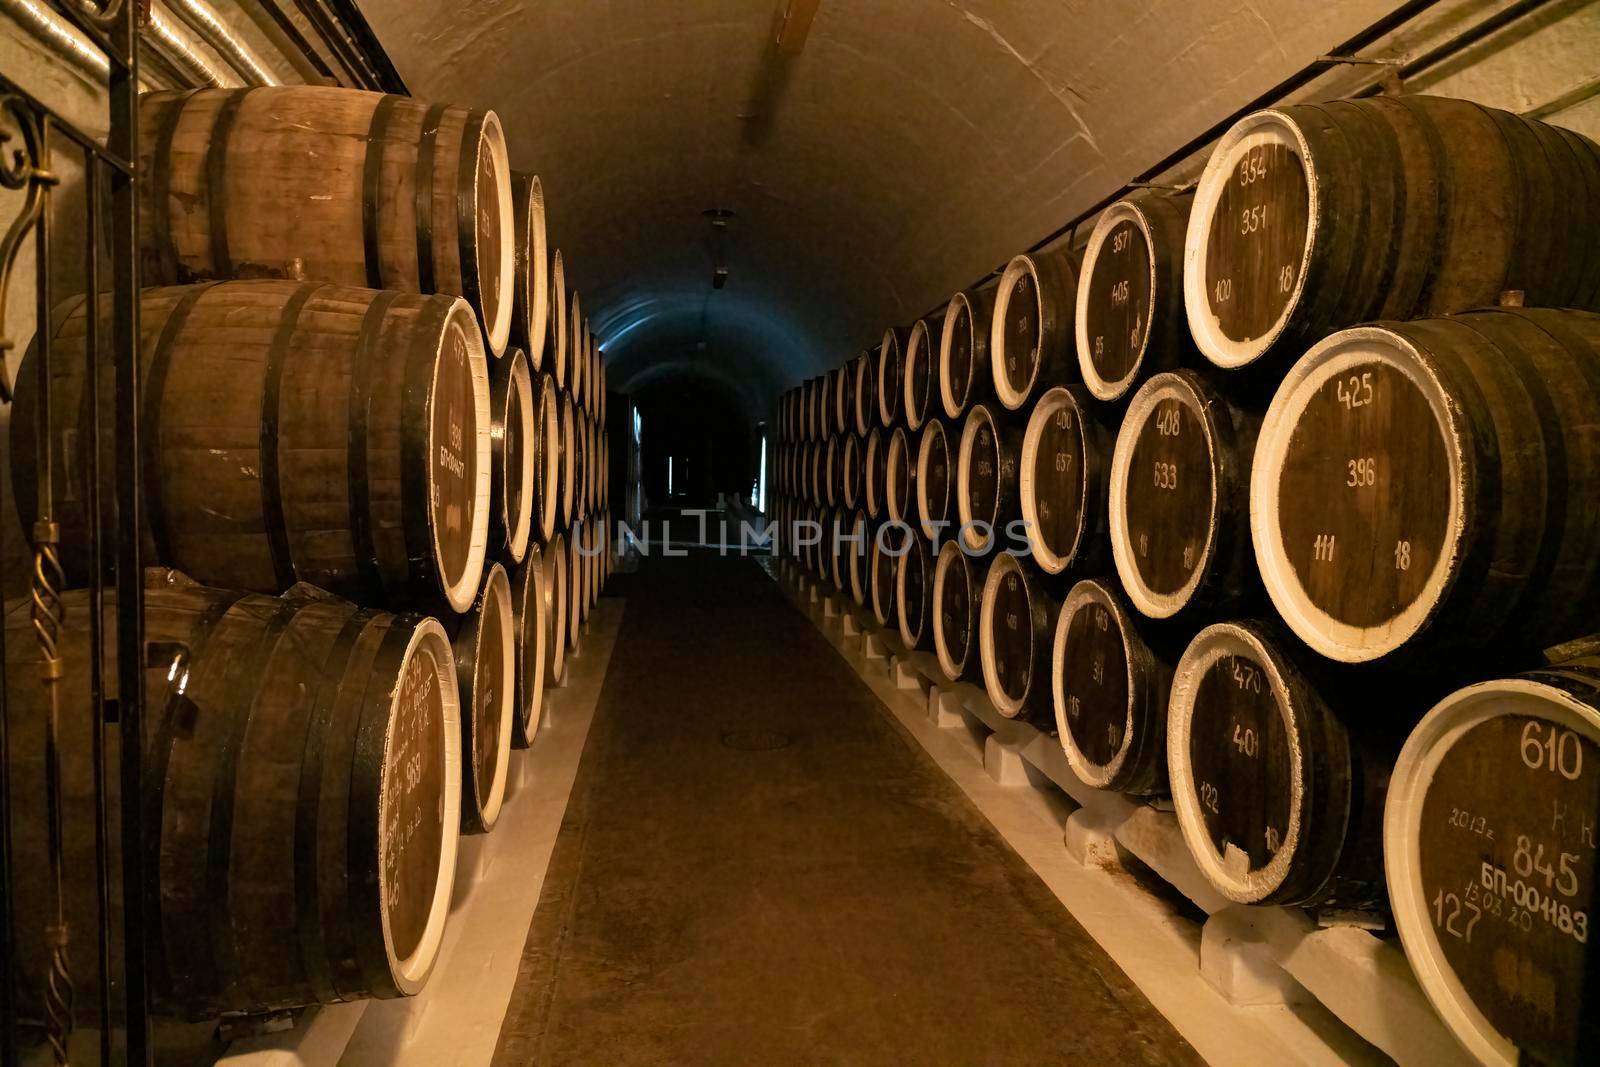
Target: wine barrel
530,308
864,387
530,603
1110,693
851,471
833,472
1490,846
891,359
1428,485
1180,479
291,432
1276,803
875,473
1015,639
547,487
858,561
913,586
1061,481
933,488
316,183
1030,334
841,416
986,476
839,548
900,478
513,455
558,320
819,473
557,590
1315,217
920,374
1130,318
301,797
575,558
889,545
958,581
485,647
965,376
596,466
569,460
577,327
827,401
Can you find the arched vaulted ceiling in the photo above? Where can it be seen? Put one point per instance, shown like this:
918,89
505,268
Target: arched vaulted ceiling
908,148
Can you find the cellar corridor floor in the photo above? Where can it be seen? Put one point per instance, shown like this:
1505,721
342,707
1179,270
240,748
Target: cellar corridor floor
754,867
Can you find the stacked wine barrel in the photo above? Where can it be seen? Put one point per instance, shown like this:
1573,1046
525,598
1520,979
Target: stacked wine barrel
375,483
1228,493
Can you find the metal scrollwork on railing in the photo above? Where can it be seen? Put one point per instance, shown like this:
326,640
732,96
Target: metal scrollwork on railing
21,167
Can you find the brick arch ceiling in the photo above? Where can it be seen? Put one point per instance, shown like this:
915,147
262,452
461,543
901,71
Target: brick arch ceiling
911,146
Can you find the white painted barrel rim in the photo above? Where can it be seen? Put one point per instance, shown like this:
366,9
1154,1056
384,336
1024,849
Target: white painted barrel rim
464,591
1215,642
1255,129
411,973
1004,563
860,564
950,555
864,366
576,325
493,138
538,295
900,447
549,457
497,590
521,525
869,483
833,457
1098,775
569,456
1334,639
1048,559
1160,387
969,432
947,333
556,604
1441,728
535,630
851,462
889,346
906,636
843,399
1012,399
558,308
1100,387
919,345
933,429
880,558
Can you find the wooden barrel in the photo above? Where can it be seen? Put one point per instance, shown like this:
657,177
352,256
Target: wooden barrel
575,560
900,478
913,594
827,401
833,472
596,466
852,471
1015,636
569,460
558,320
858,559
513,455
557,590
318,183
875,472
587,538
577,327
1315,217
292,432
530,603
841,414
891,388
301,797
1276,803
1130,319
818,474
958,581
840,545
1427,485
1110,693
864,385
986,476
547,487
1030,334
889,545
531,306
485,646
1061,481
1490,846
934,490
1180,479
920,375
965,376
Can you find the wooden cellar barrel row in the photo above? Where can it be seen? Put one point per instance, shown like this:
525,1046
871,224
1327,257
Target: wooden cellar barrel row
920,374
965,375
1061,482
986,474
485,650
935,481
958,582
513,455
326,184
1015,637
914,594
531,296
1030,333
292,432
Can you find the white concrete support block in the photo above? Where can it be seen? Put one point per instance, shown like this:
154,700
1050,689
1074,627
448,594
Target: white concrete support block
935,694
852,625
944,709
1239,961
904,673
872,646
830,607
473,859
1004,763
1090,841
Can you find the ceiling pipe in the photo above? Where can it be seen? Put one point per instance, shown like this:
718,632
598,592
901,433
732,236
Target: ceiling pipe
203,19
58,36
180,47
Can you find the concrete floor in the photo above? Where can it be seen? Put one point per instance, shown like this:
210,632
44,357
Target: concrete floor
756,868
